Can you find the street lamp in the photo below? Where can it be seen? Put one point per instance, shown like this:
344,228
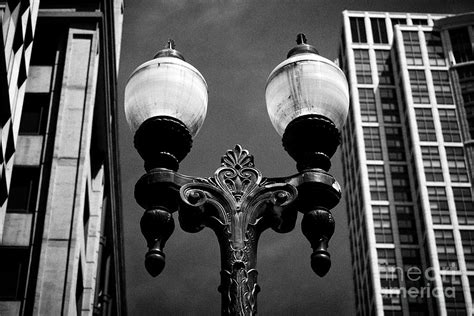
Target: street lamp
165,104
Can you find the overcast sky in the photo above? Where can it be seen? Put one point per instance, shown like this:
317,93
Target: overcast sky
235,44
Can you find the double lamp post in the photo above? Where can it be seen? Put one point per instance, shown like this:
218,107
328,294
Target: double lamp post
165,105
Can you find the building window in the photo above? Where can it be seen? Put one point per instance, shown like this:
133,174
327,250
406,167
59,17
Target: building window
368,109
447,257
358,30
394,140
391,304
457,164
449,125
379,31
382,224
455,304
362,63
464,205
412,48
389,106
400,21
373,148
378,188
467,237
13,272
461,44
426,129
439,205
387,268
406,224
23,190
419,21
441,87
400,183
411,259
34,115
419,87
384,66
432,163
435,49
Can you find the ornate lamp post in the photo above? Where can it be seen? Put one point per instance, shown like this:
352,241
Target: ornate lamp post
307,101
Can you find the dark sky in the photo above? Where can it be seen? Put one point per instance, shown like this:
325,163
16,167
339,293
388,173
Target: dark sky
235,44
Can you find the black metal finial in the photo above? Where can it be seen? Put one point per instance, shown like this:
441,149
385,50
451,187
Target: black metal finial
171,44
302,47
300,39
169,51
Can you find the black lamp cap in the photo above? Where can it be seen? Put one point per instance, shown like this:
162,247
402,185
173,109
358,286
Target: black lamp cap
302,47
169,51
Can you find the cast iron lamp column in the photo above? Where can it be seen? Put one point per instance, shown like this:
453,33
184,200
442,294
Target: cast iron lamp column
307,101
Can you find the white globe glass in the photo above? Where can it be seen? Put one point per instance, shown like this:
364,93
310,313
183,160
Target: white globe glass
306,84
166,86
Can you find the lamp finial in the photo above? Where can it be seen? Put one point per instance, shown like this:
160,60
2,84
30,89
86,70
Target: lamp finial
300,39
169,51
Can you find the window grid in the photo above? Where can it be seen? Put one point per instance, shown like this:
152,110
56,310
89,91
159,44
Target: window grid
439,205
362,63
435,49
412,48
449,125
378,188
400,183
382,224
419,88
447,256
373,147
389,105
406,224
379,30
426,129
358,30
457,164
368,109
441,86
394,140
411,258
384,66
464,205
455,305
387,267
467,237
432,163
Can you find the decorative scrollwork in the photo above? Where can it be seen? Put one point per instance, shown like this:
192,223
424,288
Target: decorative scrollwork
238,204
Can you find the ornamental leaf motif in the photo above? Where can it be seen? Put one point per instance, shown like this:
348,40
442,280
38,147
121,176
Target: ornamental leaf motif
237,158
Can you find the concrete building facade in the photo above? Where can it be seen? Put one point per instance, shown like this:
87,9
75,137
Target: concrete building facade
60,212
407,184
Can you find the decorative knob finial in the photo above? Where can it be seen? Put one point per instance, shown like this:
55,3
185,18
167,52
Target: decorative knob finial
300,39
169,51
302,47
171,44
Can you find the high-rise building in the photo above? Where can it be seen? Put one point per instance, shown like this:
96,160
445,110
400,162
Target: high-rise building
457,33
407,184
61,249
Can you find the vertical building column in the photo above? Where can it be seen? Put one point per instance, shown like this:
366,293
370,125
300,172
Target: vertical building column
63,232
374,277
432,256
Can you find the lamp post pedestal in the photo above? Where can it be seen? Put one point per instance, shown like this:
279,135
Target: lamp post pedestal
238,204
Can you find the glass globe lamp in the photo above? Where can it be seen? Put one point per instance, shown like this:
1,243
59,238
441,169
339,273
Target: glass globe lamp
307,99
165,106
